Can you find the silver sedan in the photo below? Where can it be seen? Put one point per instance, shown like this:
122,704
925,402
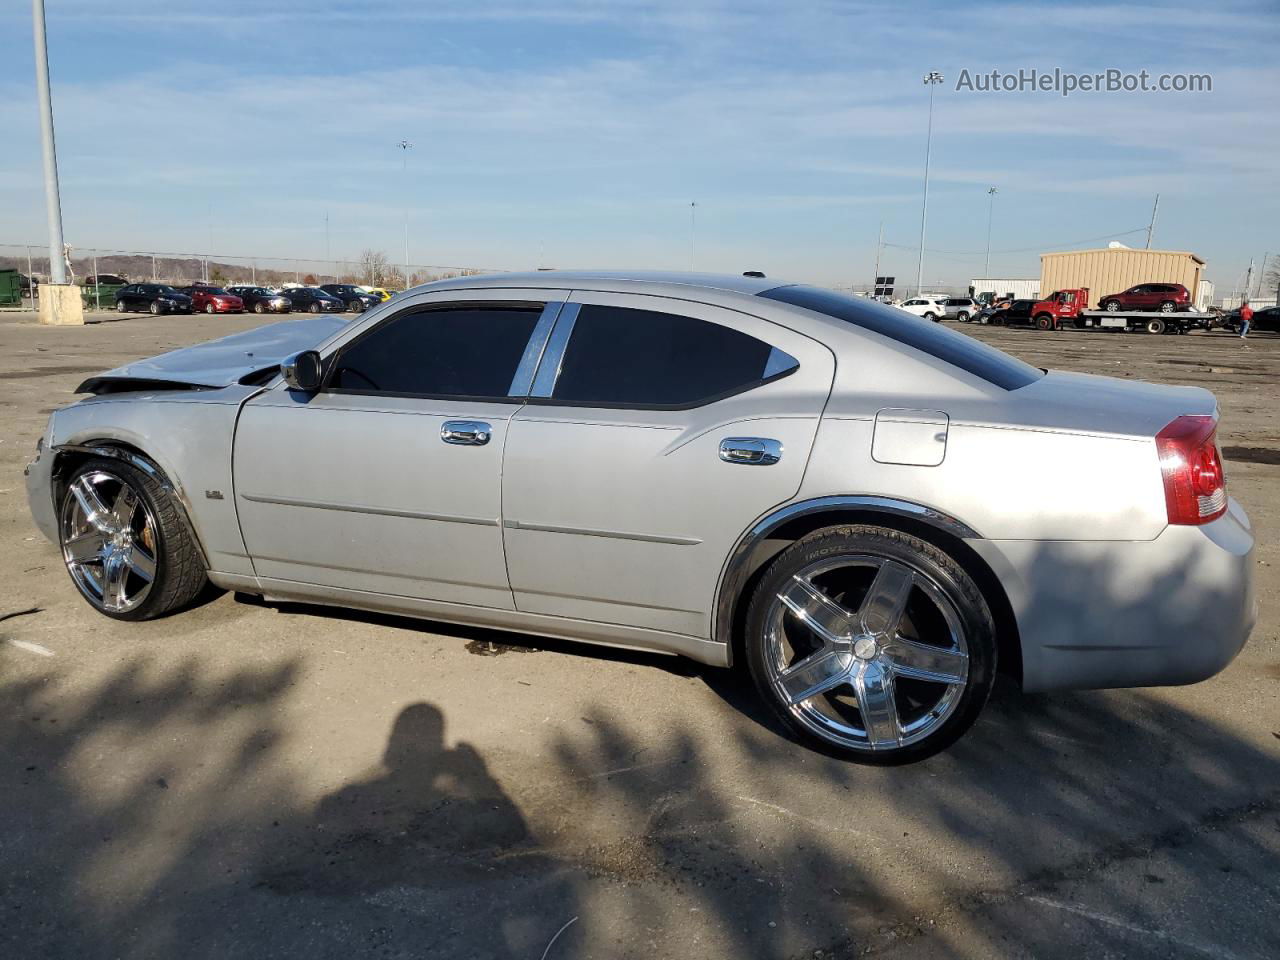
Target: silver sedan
870,513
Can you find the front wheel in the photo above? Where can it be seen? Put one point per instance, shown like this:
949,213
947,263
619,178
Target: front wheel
210,308
257,308
1044,322
125,544
155,308
315,307
121,307
1111,306
871,644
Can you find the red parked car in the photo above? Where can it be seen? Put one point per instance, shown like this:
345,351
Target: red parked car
1165,297
213,299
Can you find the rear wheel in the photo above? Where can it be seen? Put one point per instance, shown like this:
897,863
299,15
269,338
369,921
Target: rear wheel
1155,325
124,542
1167,307
931,316
963,316
871,644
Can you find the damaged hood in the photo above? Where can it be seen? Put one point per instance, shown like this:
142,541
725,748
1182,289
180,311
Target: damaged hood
220,363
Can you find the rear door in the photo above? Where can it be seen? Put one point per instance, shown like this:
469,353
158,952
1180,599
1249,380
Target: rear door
658,430
387,480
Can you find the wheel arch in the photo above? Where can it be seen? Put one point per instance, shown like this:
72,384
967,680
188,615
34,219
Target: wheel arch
776,531
69,456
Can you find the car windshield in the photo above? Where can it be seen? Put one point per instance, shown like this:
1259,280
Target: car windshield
954,348
216,291
166,290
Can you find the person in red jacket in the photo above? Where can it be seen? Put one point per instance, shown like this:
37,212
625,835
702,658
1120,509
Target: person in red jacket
1246,317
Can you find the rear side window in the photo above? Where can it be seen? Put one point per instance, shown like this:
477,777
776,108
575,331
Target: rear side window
960,351
465,353
619,357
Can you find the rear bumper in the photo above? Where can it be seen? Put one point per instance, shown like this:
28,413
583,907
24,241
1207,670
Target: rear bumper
1095,614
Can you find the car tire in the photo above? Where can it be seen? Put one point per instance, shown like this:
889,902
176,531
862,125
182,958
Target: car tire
315,307
1044,322
210,309
258,308
143,534
1155,325
930,316
155,308
963,316
1168,306
983,319
121,307
942,628
1111,306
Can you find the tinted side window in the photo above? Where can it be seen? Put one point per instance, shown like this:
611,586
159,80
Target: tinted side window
640,358
467,352
954,348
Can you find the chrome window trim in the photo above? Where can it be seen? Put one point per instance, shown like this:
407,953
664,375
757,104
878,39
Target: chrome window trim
522,382
544,382
739,563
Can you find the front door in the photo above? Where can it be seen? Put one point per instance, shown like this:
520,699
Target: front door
388,478
657,432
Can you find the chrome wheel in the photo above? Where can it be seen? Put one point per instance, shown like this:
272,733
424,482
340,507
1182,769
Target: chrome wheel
109,541
866,652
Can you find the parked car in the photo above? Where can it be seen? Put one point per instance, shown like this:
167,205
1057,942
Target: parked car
152,297
313,300
211,299
734,469
379,292
1164,297
106,280
261,300
930,308
352,297
1014,312
960,308
1264,319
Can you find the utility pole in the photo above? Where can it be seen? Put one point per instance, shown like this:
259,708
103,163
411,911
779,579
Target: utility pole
1262,273
53,201
991,208
405,146
931,80
875,280
1248,282
693,233
1152,225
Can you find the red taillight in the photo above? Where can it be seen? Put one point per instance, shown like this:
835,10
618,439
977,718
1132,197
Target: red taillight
1195,488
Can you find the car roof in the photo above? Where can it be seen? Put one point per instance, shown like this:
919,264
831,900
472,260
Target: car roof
623,279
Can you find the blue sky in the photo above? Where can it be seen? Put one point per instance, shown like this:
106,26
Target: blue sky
577,133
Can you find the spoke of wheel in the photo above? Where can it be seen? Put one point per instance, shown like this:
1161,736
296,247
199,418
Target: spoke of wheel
115,571
85,547
141,564
886,600
826,617
95,511
923,662
122,510
817,673
878,705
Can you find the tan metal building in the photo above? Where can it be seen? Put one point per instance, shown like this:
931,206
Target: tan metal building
1113,269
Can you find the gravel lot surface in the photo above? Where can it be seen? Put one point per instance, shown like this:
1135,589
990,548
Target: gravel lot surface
262,781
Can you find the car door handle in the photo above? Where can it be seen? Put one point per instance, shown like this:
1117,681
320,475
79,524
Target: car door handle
750,451
468,433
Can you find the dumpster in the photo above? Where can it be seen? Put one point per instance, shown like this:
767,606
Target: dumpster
10,288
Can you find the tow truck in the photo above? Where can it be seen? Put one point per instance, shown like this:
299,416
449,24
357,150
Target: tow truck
1067,308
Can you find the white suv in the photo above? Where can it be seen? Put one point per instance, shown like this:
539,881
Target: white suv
931,308
961,308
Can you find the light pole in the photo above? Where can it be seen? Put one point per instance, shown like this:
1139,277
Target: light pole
991,207
405,146
53,202
931,80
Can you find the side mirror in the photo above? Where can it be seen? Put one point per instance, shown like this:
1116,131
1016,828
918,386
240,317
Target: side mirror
303,371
